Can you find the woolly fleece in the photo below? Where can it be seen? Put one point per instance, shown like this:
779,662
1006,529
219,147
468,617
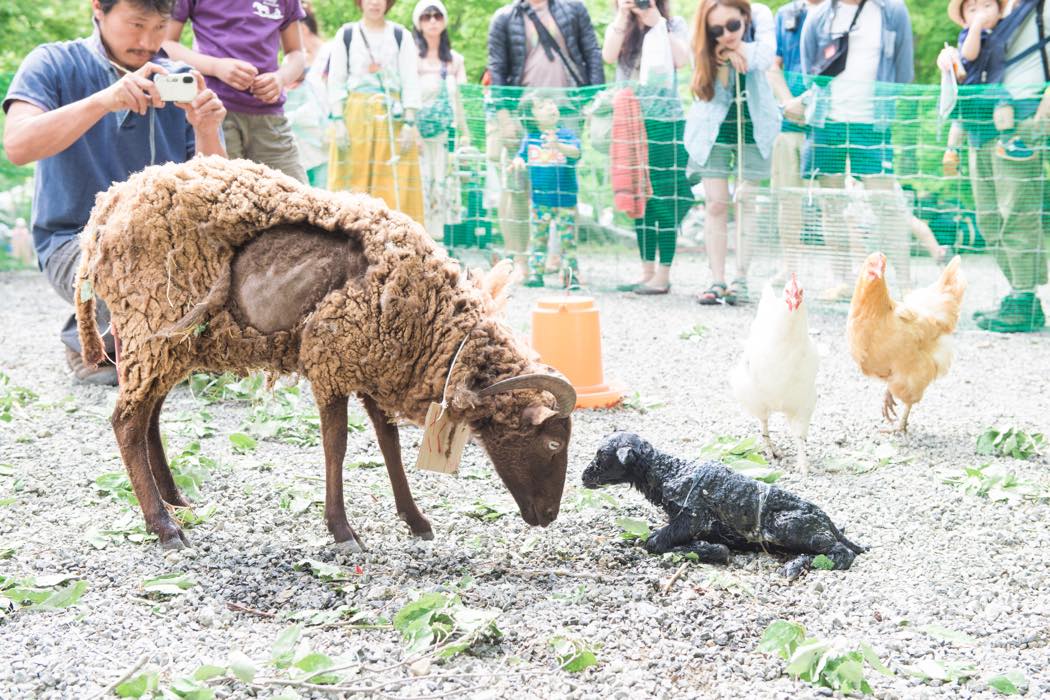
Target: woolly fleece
158,250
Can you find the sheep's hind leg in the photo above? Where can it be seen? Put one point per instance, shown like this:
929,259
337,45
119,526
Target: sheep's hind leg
131,425
390,445
158,462
333,435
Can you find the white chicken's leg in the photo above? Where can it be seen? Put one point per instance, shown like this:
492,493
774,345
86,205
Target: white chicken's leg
772,451
801,461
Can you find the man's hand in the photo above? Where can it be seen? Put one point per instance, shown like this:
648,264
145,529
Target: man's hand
206,112
135,91
795,110
267,87
235,73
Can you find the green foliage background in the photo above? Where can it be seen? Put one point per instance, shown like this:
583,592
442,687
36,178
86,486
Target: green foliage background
26,23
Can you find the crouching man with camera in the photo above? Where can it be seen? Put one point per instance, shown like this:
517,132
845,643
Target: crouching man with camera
92,114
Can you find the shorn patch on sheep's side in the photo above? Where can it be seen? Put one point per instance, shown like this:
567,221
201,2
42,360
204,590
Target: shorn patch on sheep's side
712,509
217,265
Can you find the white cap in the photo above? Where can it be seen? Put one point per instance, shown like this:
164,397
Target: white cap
423,5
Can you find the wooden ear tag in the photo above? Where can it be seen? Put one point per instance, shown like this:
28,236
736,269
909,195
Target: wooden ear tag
443,442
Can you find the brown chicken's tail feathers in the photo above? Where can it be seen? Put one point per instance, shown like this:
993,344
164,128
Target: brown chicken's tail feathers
952,278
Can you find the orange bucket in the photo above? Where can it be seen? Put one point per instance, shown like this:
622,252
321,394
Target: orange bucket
567,335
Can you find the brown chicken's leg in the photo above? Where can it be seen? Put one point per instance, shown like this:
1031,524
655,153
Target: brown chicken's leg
889,407
903,426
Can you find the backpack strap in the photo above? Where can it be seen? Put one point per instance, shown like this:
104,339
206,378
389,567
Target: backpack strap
1039,24
348,36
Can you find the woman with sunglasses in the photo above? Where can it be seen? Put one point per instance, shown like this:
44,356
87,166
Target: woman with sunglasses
664,118
731,126
373,95
441,119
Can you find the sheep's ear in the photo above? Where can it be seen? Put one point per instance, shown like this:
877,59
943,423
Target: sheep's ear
624,455
535,415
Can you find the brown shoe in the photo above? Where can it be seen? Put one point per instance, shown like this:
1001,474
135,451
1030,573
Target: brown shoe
103,375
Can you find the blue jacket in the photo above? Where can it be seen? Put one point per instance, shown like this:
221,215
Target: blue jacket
896,66
552,174
705,117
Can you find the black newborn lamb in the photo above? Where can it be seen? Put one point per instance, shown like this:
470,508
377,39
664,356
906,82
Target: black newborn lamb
712,509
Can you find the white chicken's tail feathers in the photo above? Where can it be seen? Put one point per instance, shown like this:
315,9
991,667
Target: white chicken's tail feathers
497,284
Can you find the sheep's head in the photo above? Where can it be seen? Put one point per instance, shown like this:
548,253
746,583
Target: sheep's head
531,451
615,460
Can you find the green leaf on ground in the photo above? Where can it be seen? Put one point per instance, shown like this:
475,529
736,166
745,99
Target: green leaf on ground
1011,683
169,584
137,686
823,563
573,655
633,529
949,635
243,443
241,666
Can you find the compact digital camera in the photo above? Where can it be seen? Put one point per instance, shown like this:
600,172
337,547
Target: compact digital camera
642,4
176,87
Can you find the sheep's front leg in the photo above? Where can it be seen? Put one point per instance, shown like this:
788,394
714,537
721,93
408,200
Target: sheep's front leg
390,446
333,436
676,533
131,425
158,462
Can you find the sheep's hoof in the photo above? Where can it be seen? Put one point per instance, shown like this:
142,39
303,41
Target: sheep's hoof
794,568
352,546
174,540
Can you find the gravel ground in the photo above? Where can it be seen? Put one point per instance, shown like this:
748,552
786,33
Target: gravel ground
938,557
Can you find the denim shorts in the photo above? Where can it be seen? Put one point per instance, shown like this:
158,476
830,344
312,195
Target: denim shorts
722,163
847,147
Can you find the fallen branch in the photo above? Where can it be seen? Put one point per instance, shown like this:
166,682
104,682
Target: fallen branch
237,607
674,577
540,573
126,675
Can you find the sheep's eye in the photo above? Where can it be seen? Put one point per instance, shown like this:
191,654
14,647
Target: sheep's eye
553,445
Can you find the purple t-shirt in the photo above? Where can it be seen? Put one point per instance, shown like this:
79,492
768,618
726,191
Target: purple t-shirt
249,30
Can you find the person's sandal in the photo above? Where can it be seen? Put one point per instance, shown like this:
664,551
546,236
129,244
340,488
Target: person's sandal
737,292
715,294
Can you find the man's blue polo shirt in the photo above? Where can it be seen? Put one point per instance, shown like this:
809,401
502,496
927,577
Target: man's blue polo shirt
55,75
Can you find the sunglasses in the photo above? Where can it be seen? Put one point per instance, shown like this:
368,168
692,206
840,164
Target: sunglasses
427,16
717,30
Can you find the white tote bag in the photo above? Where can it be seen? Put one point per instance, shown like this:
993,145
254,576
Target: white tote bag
657,63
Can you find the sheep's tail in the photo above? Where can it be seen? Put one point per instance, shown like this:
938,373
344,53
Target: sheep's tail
91,347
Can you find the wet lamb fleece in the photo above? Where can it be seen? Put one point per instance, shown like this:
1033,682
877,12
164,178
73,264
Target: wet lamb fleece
712,509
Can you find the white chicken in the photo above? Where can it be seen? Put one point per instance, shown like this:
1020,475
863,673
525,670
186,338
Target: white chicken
777,372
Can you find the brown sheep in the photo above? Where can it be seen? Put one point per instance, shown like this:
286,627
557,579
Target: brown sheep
221,265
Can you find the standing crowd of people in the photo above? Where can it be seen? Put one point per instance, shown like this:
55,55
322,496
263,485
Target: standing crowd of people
805,94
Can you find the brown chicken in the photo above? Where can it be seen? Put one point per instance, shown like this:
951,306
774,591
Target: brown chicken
905,344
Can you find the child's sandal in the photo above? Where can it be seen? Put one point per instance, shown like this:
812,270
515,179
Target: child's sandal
715,294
